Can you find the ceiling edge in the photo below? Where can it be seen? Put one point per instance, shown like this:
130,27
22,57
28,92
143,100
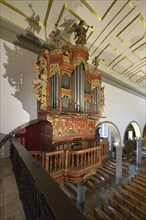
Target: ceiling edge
20,37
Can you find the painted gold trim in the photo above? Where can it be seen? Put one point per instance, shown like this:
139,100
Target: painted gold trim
21,13
48,12
124,58
114,49
120,38
128,74
61,13
112,31
100,18
119,62
109,23
136,73
140,58
141,79
114,60
134,66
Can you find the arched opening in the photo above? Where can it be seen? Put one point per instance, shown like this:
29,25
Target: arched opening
132,131
144,133
109,130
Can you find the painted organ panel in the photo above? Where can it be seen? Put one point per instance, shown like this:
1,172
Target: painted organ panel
68,90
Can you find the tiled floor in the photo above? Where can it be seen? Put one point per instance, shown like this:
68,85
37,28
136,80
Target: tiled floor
10,204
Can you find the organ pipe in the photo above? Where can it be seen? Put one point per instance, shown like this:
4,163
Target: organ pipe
54,91
78,88
94,99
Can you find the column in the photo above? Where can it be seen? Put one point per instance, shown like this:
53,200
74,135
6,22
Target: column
80,195
119,149
139,153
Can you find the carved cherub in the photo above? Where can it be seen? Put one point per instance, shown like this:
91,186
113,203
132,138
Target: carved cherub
55,36
95,62
80,32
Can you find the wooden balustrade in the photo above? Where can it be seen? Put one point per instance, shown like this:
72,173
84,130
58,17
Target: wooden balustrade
54,161
104,149
79,160
70,157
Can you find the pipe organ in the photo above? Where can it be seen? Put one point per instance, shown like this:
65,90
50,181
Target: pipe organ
69,93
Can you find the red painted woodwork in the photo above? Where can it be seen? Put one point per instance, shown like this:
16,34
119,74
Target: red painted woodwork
29,137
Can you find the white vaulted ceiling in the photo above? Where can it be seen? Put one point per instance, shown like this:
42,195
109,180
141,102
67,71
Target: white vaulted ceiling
117,38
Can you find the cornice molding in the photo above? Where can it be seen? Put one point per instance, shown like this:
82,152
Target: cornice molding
18,36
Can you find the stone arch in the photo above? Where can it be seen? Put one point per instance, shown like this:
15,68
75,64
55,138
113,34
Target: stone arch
144,132
113,136
114,129
136,128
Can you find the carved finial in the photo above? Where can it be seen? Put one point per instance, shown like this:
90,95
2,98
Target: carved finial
95,62
55,37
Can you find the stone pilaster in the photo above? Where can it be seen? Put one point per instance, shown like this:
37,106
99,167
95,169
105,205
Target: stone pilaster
139,153
119,149
80,195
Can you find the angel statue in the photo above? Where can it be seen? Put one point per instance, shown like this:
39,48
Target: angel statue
95,62
55,36
80,32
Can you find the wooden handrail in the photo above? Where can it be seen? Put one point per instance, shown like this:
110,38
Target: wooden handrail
40,194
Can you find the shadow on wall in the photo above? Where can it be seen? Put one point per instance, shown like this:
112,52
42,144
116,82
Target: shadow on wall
19,75
18,68
33,22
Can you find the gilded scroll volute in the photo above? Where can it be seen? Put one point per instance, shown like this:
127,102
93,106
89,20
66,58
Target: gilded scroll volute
40,81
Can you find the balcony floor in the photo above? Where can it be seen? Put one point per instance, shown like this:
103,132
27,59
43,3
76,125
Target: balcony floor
10,204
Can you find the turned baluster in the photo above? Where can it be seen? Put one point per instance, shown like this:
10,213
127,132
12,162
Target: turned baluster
77,161
47,164
72,158
95,155
50,163
92,162
85,160
81,161
88,159
59,161
55,162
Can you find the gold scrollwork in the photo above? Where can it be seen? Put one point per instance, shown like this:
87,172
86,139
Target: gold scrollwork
77,61
50,119
101,100
95,83
54,68
40,81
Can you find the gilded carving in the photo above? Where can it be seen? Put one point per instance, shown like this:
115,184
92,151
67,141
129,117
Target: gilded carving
54,68
101,100
40,81
95,83
50,119
77,60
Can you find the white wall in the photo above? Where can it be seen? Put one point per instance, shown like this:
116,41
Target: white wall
17,101
122,107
